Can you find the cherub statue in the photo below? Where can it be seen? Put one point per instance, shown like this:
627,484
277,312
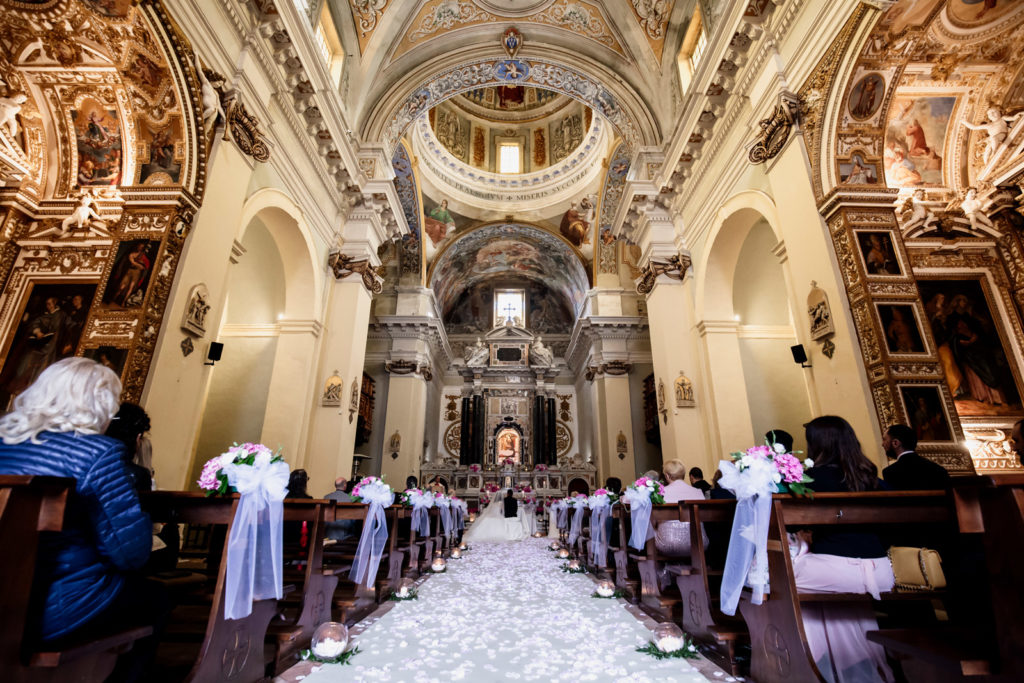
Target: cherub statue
10,107
971,206
83,215
921,211
997,128
477,355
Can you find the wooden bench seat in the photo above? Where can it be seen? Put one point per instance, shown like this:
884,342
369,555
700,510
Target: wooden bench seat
937,653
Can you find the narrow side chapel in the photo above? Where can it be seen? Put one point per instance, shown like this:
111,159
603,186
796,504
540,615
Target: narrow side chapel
494,340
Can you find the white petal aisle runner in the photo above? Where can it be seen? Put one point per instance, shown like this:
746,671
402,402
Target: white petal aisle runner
506,612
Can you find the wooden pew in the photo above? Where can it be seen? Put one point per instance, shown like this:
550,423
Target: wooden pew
30,505
356,601
650,560
779,649
231,650
699,587
992,508
627,576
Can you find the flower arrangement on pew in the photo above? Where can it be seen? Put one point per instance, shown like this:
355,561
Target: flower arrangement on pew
411,498
640,496
214,477
754,475
600,504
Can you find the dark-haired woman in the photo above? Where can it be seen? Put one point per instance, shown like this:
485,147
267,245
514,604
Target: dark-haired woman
842,562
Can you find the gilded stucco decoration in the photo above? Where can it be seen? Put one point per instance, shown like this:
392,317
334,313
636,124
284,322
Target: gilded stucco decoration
100,161
437,17
653,16
367,14
930,108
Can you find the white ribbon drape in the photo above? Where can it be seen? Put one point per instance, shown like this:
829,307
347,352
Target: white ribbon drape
747,560
640,516
373,538
421,517
577,522
255,564
446,516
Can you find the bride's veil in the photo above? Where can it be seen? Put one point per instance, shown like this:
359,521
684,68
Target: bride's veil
496,508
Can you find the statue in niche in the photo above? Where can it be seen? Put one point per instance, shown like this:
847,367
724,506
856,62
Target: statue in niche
395,443
684,391
998,129
198,308
477,355
819,312
662,406
621,445
541,355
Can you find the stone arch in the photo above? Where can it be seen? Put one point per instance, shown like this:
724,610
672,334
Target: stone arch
440,79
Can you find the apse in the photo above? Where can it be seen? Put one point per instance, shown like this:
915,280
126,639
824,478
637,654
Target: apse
500,254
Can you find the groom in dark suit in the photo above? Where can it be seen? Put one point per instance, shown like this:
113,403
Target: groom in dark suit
511,505
910,472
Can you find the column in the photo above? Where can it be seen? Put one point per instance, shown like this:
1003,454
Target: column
552,447
407,396
614,416
729,412
478,437
464,422
667,281
291,386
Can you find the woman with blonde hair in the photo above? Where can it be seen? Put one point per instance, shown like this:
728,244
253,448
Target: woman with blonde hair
56,429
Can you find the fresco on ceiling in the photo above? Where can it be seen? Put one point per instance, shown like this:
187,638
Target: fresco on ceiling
978,12
473,310
507,250
98,137
910,13
408,196
440,222
162,168
914,140
973,357
510,97
614,182
114,9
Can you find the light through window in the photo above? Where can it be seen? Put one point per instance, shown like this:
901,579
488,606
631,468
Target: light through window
321,42
508,157
509,304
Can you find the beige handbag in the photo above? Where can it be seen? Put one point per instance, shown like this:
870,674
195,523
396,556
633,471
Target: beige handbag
916,569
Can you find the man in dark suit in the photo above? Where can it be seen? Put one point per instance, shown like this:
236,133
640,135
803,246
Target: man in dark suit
910,472
511,505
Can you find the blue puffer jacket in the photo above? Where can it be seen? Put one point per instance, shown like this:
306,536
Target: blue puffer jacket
105,531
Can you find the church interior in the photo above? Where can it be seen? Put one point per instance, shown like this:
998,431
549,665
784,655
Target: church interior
543,246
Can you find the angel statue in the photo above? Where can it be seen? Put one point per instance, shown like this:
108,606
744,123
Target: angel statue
541,355
83,215
10,107
997,128
477,355
921,210
971,206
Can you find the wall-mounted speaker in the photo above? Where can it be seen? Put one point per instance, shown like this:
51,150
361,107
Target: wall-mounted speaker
799,355
214,353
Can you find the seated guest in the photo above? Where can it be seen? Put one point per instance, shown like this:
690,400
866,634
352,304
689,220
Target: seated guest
613,485
129,427
296,533
842,561
297,481
411,482
677,489
652,475
56,429
910,472
718,492
697,480
342,528
781,437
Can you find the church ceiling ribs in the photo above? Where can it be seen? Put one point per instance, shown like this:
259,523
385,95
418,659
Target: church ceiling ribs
439,17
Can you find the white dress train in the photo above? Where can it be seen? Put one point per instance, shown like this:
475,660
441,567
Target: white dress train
492,527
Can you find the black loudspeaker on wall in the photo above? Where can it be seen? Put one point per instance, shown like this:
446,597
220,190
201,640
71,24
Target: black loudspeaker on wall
799,355
213,355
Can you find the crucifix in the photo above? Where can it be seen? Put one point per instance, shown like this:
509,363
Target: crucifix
508,310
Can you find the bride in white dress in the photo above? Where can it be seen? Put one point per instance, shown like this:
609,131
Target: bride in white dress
492,527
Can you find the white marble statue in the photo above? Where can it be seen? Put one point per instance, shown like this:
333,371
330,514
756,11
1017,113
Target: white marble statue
540,355
971,206
10,107
477,355
83,215
921,213
212,109
997,128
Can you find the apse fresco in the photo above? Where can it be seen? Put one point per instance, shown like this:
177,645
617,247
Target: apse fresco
98,134
909,13
970,348
978,12
914,140
495,252
546,311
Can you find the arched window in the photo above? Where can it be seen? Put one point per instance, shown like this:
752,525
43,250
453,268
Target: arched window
694,42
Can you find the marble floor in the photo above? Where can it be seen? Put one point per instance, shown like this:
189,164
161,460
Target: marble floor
506,612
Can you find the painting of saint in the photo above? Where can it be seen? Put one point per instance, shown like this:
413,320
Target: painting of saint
576,222
924,410
510,96
162,169
438,222
914,139
866,96
879,253
129,277
978,12
974,361
857,172
48,329
902,334
98,137
508,444
109,357
146,73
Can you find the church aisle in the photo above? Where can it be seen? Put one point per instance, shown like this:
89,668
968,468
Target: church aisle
506,612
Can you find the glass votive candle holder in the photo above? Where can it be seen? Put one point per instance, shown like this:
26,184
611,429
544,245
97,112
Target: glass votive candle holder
538,534
668,637
438,565
574,564
329,640
438,553
606,589
563,553
404,588
456,553
554,545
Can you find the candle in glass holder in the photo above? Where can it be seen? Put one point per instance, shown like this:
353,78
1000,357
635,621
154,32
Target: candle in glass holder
404,588
606,589
574,564
456,553
463,546
668,637
554,545
330,640
437,553
538,534
563,553
438,565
